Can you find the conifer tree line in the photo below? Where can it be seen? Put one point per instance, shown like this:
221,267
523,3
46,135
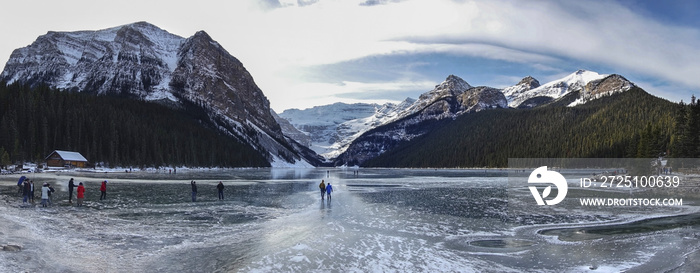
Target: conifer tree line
631,124
685,142
112,130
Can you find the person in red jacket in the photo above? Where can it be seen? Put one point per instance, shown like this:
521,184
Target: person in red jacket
103,190
81,194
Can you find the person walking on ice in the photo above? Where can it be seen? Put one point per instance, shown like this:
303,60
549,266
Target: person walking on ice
322,186
194,191
44,195
26,190
81,194
71,185
31,193
220,187
103,190
329,190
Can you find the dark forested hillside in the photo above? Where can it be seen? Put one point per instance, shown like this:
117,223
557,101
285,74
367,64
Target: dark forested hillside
114,130
685,142
628,124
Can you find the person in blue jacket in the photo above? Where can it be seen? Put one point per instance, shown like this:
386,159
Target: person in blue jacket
329,189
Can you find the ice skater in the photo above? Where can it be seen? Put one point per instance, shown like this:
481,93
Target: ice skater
220,187
194,191
103,190
329,190
81,194
322,186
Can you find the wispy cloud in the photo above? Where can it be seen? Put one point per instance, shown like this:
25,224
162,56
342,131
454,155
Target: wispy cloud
311,94
280,40
533,33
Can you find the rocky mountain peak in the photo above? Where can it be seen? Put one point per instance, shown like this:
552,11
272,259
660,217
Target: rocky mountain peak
513,93
603,87
453,84
612,83
530,82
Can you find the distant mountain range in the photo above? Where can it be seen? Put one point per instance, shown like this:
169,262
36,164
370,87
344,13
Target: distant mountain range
144,62
343,132
620,125
329,129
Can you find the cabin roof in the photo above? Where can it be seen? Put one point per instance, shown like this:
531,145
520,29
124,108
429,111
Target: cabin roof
69,156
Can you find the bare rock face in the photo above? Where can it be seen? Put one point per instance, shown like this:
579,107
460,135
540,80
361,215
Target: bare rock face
606,86
144,62
292,132
482,98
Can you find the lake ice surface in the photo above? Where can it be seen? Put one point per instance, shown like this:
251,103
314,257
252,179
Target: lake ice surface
382,220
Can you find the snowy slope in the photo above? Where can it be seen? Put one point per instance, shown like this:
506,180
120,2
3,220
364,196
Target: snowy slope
513,92
590,85
555,89
138,59
333,127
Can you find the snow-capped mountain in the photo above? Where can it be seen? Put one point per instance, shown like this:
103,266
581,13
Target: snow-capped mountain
528,92
143,61
514,92
331,128
455,97
136,59
450,99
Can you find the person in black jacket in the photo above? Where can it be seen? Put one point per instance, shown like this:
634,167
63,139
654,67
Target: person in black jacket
71,185
26,190
194,191
220,187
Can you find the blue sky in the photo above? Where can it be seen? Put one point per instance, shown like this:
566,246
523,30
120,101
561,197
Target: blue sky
314,52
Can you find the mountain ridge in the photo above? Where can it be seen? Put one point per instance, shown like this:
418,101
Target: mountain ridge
622,124
455,97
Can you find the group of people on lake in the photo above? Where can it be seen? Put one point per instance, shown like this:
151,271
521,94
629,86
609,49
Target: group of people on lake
27,190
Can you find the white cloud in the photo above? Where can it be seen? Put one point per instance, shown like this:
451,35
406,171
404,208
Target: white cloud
278,40
305,95
527,32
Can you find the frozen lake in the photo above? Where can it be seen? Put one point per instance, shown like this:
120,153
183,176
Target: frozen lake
380,220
